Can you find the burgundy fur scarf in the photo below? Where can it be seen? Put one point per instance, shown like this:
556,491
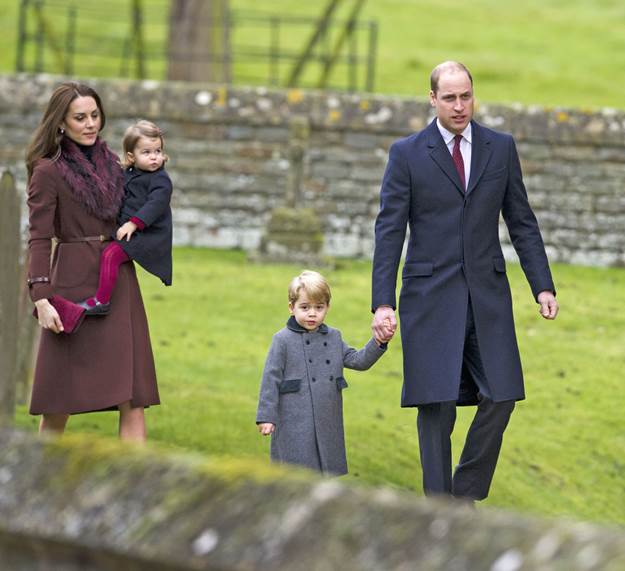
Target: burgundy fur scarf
98,184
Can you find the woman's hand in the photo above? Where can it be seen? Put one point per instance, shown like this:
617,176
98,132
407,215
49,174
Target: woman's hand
126,231
47,316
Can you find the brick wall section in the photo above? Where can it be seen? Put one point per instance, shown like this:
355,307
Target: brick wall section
236,153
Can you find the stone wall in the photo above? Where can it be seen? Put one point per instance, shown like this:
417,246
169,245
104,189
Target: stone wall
238,153
82,504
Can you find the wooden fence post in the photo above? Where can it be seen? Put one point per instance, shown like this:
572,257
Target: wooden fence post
11,247
28,334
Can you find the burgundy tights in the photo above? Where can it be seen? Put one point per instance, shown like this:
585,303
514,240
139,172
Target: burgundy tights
112,257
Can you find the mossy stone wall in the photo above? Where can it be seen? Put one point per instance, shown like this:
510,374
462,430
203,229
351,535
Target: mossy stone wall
238,153
79,503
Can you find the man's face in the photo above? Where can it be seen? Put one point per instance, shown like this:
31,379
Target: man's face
453,100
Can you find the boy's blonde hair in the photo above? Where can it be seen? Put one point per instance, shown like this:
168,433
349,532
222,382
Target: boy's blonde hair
132,135
313,283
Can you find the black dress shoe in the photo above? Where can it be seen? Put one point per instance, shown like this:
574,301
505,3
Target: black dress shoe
97,309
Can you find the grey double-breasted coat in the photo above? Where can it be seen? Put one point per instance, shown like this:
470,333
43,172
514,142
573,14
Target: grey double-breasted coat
300,394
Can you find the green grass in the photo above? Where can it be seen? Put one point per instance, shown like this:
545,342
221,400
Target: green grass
563,450
547,52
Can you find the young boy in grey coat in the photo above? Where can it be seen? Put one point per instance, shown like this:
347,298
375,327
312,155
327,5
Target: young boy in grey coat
300,403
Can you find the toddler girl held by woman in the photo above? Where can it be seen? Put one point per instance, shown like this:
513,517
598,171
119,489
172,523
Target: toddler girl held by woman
145,221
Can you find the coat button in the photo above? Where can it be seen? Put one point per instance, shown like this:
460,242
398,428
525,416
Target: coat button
310,360
325,343
307,342
313,379
327,361
331,377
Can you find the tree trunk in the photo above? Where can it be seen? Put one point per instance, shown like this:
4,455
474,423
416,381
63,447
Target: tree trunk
199,42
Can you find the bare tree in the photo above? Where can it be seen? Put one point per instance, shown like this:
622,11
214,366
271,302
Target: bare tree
199,42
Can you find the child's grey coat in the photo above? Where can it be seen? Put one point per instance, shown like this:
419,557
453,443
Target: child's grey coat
300,394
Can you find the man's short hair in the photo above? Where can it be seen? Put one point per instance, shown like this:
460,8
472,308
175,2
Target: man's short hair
447,66
313,284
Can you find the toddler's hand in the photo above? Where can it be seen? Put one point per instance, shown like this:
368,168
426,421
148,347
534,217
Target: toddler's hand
126,231
266,428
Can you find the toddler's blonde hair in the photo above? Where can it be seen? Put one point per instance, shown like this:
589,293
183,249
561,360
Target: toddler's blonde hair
313,283
132,135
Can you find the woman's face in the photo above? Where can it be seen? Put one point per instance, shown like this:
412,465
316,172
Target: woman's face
82,121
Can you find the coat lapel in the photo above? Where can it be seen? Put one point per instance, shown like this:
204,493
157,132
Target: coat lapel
480,154
441,156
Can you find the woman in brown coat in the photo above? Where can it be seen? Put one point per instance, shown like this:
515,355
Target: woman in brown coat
74,194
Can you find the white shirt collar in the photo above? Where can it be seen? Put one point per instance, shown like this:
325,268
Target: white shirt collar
448,136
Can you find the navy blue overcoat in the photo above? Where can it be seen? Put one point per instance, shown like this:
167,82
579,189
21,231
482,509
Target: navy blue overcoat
147,196
454,252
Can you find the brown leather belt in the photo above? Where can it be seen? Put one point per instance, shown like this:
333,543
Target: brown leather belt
100,238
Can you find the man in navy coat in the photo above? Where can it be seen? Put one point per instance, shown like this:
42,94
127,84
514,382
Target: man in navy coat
448,184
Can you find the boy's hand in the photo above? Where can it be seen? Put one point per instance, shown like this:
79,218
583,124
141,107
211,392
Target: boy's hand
126,230
266,428
385,341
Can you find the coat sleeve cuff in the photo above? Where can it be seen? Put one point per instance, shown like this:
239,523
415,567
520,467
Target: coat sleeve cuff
373,346
375,306
41,291
543,287
138,222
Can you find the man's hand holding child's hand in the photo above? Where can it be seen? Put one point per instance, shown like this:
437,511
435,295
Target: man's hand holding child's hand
384,324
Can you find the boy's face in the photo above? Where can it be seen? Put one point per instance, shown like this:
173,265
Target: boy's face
147,154
309,314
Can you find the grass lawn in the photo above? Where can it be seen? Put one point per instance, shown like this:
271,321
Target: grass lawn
563,451
547,52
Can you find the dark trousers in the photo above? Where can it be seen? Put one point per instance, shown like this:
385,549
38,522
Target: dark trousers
435,423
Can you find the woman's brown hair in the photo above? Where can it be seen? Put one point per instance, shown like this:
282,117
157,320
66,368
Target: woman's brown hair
46,141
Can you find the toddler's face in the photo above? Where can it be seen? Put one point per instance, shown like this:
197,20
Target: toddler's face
147,154
309,314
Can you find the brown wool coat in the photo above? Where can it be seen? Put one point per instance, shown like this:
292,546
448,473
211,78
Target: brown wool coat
108,360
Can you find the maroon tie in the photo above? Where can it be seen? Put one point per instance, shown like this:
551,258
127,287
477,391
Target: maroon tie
456,155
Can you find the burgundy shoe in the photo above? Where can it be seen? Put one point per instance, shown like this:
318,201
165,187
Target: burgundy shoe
97,309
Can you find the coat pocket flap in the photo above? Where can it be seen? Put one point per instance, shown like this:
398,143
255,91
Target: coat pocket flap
418,269
499,264
341,383
289,386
